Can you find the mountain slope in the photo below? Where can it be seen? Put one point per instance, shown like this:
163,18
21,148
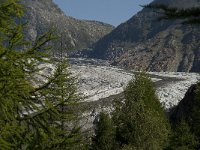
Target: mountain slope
77,34
144,43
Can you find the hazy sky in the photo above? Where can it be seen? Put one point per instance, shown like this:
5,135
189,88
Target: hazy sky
109,11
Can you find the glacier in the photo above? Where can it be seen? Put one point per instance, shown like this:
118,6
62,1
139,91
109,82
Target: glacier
97,79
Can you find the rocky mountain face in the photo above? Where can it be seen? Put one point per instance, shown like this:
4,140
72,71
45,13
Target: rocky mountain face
42,15
145,43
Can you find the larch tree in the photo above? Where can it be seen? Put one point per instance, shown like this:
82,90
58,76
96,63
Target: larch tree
104,138
35,114
140,120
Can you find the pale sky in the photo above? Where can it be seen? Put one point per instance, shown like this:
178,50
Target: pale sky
109,11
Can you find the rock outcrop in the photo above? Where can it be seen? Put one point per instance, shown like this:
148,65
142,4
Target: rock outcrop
145,43
42,15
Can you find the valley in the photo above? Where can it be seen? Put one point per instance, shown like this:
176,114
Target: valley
71,83
97,80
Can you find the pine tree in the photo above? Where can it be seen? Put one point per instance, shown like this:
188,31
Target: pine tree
34,115
140,119
104,138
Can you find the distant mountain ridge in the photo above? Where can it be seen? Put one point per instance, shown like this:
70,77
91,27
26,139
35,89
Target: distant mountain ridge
77,34
144,43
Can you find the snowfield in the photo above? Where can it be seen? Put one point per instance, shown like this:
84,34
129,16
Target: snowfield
97,80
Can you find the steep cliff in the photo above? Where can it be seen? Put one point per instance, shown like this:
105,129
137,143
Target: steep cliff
145,43
42,15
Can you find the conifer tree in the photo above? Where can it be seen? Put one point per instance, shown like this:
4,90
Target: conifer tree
34,115
104,138
188,16
192,117
140,120
182,138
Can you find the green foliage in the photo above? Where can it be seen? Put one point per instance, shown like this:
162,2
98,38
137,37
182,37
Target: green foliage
34,114
104,134
187,134
183,138
140,119
191,112
129,147
193,118
190,15
55,125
